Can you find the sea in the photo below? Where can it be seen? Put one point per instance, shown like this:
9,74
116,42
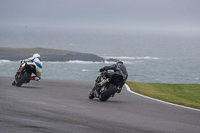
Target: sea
156,56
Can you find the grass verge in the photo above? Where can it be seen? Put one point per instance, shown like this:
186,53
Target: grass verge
182,94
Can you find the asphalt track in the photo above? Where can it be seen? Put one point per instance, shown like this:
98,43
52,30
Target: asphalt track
60,106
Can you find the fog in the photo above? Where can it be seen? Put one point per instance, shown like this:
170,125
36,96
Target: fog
119,14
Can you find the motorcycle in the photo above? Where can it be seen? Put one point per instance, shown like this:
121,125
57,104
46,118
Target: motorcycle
23,74
109,88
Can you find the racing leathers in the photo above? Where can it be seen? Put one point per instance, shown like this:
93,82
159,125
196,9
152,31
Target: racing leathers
36,61
119,70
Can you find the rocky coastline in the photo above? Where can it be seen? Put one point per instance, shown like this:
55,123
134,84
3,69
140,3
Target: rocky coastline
16,54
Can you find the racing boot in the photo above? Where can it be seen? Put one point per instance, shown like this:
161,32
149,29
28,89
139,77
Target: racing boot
35,78
119,89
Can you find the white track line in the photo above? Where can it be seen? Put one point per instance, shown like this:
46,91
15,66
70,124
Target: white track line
128,88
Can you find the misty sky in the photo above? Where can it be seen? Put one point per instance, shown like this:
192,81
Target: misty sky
153,14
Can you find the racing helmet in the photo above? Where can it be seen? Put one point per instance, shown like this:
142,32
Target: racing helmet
119,63
36,55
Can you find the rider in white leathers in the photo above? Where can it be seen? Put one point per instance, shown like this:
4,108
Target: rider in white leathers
36,61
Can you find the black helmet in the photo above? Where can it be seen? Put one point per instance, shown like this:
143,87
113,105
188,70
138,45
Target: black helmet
119,63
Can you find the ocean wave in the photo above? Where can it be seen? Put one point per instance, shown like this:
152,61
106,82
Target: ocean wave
83,62
5,61
131,58
84,70
89,62
78,62
105,62
74,62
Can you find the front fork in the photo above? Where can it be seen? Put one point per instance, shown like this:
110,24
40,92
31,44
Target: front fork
20,69
98,88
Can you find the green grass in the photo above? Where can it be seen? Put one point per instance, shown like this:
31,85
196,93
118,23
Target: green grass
182,94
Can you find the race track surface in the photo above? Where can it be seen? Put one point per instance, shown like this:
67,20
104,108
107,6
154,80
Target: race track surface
59,106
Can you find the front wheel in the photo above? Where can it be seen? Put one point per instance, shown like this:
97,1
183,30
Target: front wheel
91,95
23,79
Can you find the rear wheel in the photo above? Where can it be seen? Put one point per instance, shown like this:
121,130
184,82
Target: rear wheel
107,93
23,79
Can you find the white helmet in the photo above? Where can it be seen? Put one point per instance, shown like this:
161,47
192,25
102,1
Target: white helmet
36,55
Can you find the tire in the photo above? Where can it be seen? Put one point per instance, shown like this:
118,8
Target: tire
107,93
23,79
91,95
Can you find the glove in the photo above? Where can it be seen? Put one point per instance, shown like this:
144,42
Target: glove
101,70
22,61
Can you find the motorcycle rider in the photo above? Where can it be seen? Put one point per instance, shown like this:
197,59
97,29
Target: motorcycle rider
36,61
119,70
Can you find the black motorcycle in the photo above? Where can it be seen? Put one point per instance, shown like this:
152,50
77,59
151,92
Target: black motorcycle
23,74
108,90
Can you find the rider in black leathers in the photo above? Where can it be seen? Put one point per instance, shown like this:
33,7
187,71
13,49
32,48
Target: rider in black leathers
119,70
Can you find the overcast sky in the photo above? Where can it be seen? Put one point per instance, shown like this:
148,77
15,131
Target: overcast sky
181,14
